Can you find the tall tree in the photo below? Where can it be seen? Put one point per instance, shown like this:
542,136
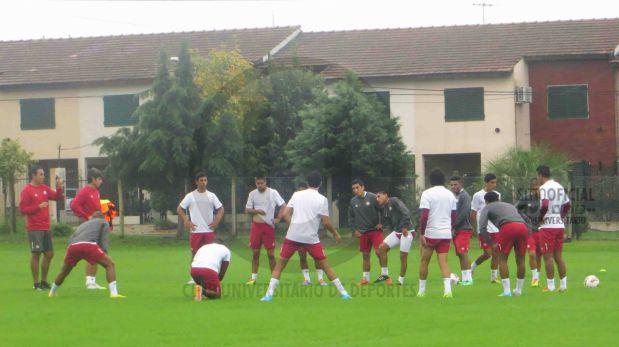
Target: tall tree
14,162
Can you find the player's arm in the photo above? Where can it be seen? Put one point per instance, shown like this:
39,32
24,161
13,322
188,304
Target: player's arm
77,205
544,209
464,206
218,217
27,204
287,215
483,226
327,223
565,209
351,220
56,194
223,269
280,214
104,237
405,217
188,224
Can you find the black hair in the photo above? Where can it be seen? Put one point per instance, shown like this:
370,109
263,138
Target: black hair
382,191
33,171
489,177
544,171
357,181
93,174
260,177
491,197
437,177
456,178
302,185
200,175
314,179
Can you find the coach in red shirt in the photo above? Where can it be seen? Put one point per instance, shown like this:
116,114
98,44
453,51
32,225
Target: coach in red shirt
87,202
34,204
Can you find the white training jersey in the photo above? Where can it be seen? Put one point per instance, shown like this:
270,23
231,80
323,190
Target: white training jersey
201,207
210,256
266,201
441,202
308,208
557,197
477,204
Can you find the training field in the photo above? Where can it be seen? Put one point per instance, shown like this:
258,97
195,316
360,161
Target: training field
152,273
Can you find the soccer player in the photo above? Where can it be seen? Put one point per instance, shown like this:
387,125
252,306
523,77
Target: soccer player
363,216
34,204
529,208
305,210
397,216
513,232
477,204
438,215
87,202
202,224
463,230
261,205
303,259
555,207
90,242
209,268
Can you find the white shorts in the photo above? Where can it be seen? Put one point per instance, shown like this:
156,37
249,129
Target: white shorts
395,238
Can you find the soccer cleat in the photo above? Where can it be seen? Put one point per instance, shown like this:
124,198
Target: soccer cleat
496,280
94,286
466,283
448,295
267,298
546,290
505,295
363,282
346,296
117,296
250,282
535,282
191,281
307,283
51,294
384,278
421,294
516,293
562,290
45,285
322,283
37,287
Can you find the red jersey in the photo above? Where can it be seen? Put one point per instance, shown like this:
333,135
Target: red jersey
30,199
86,202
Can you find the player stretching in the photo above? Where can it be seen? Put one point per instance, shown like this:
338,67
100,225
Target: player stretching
305,210
209,268
90,242
513,232
261,205
397,216
303,259
438,215
363,216
477,204
529,207
555,206
462,229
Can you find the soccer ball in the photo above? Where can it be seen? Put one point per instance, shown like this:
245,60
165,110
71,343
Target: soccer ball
454,279
592,281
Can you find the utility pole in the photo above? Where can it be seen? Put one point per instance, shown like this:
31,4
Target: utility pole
483,6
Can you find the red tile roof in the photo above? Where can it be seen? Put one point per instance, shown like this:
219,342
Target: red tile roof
125,57
493,48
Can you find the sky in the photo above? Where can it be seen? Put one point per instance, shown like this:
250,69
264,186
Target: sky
29,19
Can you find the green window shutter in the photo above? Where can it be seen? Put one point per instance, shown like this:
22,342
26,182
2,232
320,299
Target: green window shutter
37,114
568,102
117,109
384,98
464,104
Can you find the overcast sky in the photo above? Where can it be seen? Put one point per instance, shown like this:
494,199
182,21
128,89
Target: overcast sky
60,18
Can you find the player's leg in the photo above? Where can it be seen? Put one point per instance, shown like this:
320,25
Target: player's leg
547,249
504,271
557,256
91,277
110,275
494,262
34,268
304,268
255,243
271,255
268,240
461,245
47,259
426,255
376,238
365,279
64,272
405,243
484,256
319,273
381,252
287,251
442,250
317,252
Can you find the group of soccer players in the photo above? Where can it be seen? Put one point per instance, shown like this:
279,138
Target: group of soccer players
535,224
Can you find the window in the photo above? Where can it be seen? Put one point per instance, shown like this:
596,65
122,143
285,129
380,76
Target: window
117,109
568,102
37,114
384,98
464,104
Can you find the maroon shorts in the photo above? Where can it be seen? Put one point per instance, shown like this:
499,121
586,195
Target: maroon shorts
289,247
550,239
514,235
91,252
533,242
482,242
207,278
261,234
439,245
370,239
461,241
197,240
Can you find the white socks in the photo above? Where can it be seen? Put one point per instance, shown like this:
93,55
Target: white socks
366,276
306,275
54,288
319,272
336,282
422,286
401,280
519,285
272,285
563,283
551,284
384,271
494,274
506,286
113,289
473,266
447,285
535,274
90,280
467,275
254,276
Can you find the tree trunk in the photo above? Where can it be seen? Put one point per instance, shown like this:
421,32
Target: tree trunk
179,227
121,208
13,205
233,203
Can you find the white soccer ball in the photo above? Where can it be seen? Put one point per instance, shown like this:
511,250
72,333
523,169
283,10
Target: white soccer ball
454,279
592,281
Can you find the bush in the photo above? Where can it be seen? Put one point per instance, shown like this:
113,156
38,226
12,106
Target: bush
164,225
62,229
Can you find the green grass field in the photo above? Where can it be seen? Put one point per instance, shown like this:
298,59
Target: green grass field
152,273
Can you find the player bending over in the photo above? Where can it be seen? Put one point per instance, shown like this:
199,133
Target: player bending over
477,204
209,268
